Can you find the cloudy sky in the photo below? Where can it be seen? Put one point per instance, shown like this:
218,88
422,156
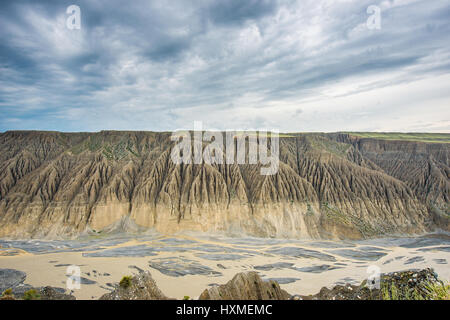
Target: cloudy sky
306,65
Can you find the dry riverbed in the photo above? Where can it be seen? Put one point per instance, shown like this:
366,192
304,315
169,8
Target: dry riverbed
186,264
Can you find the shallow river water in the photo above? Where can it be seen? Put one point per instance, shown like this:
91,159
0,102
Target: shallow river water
187,264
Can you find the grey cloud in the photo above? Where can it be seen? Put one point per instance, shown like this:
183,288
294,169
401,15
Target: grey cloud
148,65
238,11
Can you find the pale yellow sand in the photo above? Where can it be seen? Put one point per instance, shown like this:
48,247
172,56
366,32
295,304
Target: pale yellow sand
40,272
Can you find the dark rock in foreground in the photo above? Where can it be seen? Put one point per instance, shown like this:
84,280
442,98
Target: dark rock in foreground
246,286
14,281
10,278
405,285
139,287
50,293
40,293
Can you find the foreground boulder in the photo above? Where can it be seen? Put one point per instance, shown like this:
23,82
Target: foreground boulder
139,287
12,287
414,285
11,278
51,293
405,285
343,292
246,286
27,292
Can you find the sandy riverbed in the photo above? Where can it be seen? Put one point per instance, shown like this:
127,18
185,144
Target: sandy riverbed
187,264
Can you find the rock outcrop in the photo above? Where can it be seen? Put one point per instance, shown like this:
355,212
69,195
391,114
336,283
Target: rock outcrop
139,287
328,186
405,285
246,286
12,287
51,293
10,279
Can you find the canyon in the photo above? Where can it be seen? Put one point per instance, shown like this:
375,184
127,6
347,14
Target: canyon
328,186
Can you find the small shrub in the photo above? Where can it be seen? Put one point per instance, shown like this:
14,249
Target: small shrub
7,292
439,291
31,295
391,292
394,293
385,293
125,282
186,298
431,291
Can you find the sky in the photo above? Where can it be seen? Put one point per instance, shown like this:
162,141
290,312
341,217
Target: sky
292,66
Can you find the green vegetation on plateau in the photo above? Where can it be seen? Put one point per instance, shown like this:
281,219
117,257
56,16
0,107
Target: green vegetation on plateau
421,137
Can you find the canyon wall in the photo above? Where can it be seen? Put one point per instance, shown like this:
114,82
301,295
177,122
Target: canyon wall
328,186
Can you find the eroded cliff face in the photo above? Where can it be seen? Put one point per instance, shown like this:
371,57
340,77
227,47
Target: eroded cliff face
423,167
328,186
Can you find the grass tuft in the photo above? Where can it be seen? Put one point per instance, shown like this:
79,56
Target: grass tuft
7,292
125,282
31,295
439,291
433,291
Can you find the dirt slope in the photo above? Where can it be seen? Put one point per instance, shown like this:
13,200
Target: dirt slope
328,186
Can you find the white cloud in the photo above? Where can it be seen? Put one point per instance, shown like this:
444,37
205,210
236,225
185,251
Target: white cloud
230,64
